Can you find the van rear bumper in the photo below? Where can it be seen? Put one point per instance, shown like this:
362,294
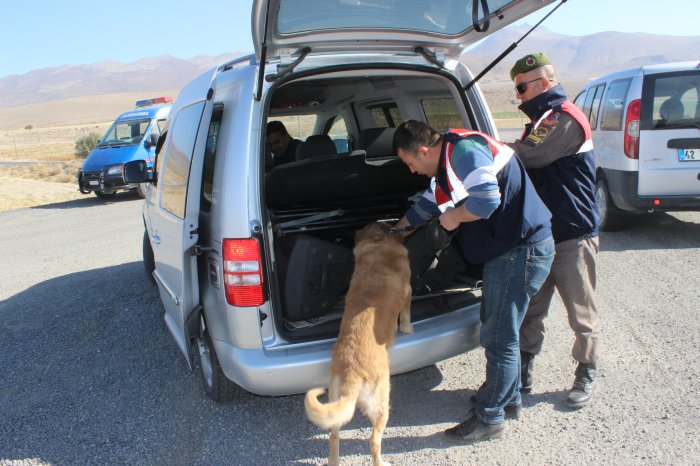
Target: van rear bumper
297,369
623,190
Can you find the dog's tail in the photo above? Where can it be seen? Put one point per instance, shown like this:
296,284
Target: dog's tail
332,415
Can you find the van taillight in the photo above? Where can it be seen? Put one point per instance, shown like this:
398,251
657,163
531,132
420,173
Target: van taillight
243,278
632,129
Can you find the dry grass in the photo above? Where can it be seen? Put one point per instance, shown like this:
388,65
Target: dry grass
58,172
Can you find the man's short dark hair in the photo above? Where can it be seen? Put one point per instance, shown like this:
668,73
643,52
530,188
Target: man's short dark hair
412,133
276,127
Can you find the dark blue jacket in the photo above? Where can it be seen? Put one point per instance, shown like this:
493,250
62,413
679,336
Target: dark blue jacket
520,218
557,151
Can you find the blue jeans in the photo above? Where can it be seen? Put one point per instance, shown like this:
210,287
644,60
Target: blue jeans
509,281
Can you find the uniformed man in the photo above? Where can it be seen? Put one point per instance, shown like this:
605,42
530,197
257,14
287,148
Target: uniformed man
557,151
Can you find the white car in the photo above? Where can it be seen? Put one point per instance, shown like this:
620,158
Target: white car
646,135
251,259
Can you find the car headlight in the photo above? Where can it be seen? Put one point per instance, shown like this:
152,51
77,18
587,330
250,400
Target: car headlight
115,170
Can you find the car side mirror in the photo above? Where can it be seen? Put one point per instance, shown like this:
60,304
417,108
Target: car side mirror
151,141
137,171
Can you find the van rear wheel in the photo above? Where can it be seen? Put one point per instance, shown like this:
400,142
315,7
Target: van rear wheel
611,217
217,386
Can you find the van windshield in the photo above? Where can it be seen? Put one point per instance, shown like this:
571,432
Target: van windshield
125,133
671,100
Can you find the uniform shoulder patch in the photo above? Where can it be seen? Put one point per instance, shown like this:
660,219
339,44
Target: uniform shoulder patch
551,119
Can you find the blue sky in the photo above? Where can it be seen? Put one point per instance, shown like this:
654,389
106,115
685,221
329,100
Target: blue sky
42,34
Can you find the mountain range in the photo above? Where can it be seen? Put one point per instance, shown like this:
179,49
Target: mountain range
577,58
582,58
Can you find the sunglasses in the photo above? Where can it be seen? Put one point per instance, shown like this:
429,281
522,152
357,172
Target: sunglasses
522,87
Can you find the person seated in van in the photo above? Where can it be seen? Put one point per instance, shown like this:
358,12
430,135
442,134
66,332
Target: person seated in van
479,188
282,145
557,151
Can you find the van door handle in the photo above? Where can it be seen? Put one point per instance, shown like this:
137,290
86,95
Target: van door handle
155,238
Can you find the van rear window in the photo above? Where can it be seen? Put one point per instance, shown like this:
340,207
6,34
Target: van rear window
670,100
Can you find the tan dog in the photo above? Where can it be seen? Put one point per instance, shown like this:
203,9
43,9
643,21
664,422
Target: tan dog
380,293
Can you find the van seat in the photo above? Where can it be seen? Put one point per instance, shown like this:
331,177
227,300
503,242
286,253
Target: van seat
377,142
315,145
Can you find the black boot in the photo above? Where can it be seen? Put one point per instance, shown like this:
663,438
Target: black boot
474,430
584,386
527,363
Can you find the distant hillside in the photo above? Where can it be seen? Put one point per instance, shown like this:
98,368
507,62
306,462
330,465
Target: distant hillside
84,93
582,58
107,77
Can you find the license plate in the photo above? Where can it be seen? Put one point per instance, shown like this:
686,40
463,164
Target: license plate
97,183
688,155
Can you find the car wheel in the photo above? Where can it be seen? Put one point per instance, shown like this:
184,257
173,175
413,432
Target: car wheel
141,190
149,263
611,217
217,386
103,195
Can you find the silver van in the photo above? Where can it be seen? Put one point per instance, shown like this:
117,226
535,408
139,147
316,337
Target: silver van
646,134
251,259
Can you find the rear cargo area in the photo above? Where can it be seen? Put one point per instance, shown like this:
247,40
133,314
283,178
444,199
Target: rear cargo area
316,203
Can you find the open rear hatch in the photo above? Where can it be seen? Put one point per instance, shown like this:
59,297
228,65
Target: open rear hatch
447,27
316,204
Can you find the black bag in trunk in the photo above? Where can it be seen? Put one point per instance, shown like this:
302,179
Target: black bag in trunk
318,275
435,260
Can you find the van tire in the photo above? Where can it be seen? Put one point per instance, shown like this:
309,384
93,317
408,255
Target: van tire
141,190
611,217
149,263
217,386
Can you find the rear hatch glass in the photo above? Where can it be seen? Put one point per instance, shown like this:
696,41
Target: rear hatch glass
355,26
670,100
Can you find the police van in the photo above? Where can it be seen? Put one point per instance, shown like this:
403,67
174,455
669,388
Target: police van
646,134
252,258
132,136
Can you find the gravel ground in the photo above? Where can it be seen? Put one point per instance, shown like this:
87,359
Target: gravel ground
90,374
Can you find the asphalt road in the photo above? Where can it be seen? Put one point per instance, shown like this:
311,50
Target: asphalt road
90,374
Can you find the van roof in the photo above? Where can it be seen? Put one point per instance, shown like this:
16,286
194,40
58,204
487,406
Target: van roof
160,111
666,67
644,70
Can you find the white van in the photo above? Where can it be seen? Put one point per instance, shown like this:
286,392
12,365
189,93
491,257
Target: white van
646,134
252,260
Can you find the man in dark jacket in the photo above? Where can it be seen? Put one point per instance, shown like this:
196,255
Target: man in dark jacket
479,188
282,145
557,151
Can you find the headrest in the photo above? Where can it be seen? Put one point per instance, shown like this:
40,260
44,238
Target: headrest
376,142
671,109
315,145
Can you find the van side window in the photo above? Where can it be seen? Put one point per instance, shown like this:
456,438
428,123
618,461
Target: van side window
385,115
210,158
176,169
592,103
578,101
442,114
595,106
339,134
613,105
298,126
